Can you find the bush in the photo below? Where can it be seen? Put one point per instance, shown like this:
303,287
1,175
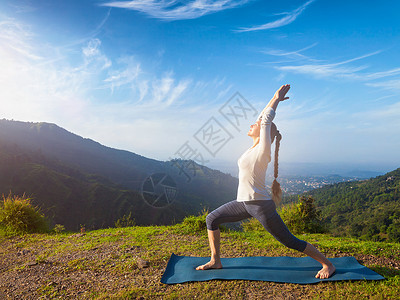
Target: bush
58,228
195,224
125,221
291,216
17,214
302,217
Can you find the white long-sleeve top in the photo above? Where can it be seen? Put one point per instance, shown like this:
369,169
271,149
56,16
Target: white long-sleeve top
254,162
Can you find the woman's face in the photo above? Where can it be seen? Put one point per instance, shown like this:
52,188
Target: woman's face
254,129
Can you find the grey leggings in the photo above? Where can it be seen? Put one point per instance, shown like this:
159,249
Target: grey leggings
264,211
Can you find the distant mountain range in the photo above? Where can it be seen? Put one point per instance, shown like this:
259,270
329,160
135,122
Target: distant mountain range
77,181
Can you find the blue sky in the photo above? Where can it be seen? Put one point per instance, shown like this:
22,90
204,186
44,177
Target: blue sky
147,75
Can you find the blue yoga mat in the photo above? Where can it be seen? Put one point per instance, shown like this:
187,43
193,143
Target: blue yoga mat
299,270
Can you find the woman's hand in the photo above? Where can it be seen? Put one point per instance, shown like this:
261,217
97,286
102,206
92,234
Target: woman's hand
281,93
278,97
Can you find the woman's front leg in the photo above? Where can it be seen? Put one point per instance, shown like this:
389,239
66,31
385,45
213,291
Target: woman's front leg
214,238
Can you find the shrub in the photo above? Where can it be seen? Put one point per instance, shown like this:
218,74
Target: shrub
19,215
58,228
125,221
195,224
291,216
302,217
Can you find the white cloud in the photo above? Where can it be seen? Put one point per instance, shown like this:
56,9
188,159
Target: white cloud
383,74
14,39
341,69
177,91
92,48
126,75
92,54
176,10
165,89
323,70
91,35
290,17
388,85
330,70
224,93
292,55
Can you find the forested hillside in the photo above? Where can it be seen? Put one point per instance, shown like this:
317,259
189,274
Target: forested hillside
369,209
70,197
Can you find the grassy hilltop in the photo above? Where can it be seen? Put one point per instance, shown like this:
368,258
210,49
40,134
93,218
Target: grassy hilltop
109,264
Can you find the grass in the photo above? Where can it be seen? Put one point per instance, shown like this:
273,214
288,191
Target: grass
102,264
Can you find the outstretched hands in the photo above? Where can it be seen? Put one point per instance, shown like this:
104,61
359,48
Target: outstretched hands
281,92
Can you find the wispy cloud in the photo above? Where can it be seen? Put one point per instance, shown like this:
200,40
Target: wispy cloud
145,89
165,89
290,56
176,10
93,55
383,74
91,34
14,38
289,17
124,75
388,85
323,70
340,69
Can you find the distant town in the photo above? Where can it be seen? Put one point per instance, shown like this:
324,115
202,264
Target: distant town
300,184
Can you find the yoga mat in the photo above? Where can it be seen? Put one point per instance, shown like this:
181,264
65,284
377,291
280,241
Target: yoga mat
299,270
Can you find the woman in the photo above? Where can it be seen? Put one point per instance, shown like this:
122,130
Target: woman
252,197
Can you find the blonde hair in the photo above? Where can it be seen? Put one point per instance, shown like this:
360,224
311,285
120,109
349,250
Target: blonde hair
276,187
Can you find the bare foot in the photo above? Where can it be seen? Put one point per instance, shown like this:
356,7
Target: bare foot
210,265
326,272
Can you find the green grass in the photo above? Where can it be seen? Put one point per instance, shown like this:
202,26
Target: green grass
102,264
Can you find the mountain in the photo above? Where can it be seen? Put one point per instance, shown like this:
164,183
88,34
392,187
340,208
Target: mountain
367,208
77,181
